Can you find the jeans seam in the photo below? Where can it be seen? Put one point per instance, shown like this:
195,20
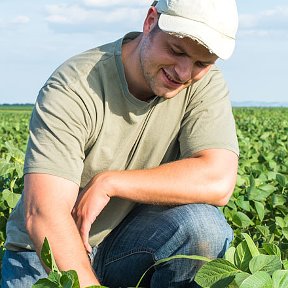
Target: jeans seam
129,253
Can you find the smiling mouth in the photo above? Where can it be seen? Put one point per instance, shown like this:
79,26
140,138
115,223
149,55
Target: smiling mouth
171,79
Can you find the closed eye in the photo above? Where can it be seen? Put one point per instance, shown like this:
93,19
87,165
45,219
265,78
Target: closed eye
202,64
177,52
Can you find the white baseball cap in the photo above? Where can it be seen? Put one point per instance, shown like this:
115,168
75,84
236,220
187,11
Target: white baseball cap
213,23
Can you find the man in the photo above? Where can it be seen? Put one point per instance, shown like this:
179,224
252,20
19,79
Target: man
132,147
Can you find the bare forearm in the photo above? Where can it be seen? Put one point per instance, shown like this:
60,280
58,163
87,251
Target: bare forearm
65,242
49,201
193,180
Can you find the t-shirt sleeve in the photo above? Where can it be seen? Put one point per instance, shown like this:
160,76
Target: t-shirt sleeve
59,129
208,122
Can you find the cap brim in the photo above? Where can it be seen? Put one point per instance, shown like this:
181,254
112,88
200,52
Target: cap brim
220,44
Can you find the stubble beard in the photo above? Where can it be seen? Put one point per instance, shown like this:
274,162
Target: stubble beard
145,67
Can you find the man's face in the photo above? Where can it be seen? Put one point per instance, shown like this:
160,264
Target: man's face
169,63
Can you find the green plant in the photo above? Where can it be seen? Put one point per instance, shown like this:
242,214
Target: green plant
56,278
245,266
242,267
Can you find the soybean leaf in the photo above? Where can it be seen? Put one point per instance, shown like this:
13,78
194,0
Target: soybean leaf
240,277
245,251
267,263
280,279
10,197
230,254
251,246
47,257
214,271
54,277
285,232
280,221
260,209
260,279
261,193
242,256
242,203
281,180
69,279
241,220
278,200
285,264
45,283
272,249
286,220
264,230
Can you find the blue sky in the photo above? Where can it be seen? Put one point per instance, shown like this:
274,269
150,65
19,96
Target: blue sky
36,36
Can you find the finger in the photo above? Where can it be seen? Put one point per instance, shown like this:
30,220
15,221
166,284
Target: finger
84,233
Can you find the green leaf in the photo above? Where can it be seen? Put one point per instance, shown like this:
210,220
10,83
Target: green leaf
285,264
260,193
267,263
214,271
285,232
280,222
264,230
281,179
242,256
242,203
251,246
54,277
47,257
260,209
260,279
45,283
272,249
230,254
280,279
69,279
240,277
241,220
278,200
10,197
245,251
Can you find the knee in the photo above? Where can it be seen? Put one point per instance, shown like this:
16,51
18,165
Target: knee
198,229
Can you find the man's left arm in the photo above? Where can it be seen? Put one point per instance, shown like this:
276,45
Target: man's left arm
208,176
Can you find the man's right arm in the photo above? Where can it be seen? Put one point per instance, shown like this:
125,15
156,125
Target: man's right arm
49,201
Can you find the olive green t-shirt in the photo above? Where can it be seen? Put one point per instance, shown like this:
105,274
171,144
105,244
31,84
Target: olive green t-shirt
85,121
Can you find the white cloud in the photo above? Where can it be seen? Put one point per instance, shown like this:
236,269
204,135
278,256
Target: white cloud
105,3
15,22
21,19
77,15
272,19
76,18
67,14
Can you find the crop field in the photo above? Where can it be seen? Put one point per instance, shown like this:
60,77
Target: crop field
258,207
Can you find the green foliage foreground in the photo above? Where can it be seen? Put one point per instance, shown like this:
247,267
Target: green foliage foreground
243,266
258,206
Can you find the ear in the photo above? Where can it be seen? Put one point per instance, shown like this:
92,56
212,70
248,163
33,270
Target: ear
150,20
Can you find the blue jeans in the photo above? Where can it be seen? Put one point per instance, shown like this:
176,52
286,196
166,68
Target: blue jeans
147,234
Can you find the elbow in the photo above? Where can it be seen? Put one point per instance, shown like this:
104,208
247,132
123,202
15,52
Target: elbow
223,192
30,219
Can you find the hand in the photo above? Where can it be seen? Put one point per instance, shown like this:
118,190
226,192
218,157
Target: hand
90,202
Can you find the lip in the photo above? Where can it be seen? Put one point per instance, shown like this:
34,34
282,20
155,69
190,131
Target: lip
169,82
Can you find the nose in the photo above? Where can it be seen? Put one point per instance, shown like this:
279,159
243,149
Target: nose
186,70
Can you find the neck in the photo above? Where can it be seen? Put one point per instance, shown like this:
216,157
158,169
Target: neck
133,72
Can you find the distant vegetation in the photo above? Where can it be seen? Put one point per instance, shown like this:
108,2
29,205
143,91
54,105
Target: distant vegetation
13,107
